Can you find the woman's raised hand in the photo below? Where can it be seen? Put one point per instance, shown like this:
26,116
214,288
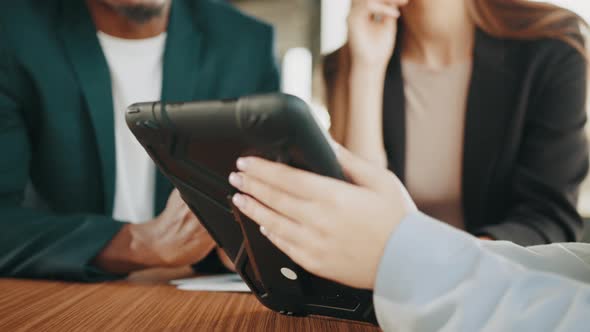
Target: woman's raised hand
372,26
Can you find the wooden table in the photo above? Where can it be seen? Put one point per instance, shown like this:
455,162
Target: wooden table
124,306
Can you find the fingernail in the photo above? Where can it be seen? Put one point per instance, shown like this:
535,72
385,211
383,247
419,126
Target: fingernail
236,180
242,164
239,200
263,231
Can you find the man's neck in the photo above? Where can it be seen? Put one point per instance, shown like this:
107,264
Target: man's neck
438,33
109,21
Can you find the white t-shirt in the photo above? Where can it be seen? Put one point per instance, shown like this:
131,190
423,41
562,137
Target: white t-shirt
136,76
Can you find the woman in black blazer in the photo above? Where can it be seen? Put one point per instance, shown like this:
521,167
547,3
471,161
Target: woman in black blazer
524,152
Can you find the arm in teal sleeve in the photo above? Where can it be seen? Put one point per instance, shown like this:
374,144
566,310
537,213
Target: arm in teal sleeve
271,77
34,244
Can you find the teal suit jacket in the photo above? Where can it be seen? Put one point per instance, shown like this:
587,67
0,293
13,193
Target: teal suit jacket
57,170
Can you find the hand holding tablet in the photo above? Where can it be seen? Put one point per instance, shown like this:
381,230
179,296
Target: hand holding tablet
326,234
196,145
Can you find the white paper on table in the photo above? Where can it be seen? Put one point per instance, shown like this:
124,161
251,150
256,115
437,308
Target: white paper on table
219,283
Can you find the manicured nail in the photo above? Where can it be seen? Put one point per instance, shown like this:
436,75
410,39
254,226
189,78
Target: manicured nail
239,200
236,180
242,164
263,231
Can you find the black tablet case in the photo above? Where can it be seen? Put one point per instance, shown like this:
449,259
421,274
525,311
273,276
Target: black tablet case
196,145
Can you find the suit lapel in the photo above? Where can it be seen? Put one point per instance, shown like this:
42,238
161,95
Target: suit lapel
182,58
394,114
85,54
183,69
491,97
489,103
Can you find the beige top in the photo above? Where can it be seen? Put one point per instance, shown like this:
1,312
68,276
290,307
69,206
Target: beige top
436,103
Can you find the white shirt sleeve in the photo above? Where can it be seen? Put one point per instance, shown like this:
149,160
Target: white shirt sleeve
435,278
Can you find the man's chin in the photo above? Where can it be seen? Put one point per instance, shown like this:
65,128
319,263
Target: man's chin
152,3
140,14
138,11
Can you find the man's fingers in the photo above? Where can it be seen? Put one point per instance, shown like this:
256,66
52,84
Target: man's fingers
199,248
192,228
174,200
304,185
270,221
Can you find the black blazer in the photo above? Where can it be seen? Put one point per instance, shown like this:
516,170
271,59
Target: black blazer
525,151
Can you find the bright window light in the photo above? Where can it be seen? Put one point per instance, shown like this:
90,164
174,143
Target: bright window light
334,29
581,7
297,73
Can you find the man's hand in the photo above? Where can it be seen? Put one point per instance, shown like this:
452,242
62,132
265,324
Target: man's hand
225,260
331,228
175,238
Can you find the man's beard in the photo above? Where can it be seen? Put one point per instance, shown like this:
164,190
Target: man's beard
140,14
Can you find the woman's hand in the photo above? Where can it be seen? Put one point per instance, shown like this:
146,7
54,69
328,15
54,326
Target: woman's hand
372,26
331,228
372,37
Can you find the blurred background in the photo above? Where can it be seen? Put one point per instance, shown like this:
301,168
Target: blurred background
309,29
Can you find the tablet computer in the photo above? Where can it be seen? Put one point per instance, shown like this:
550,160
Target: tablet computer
196,145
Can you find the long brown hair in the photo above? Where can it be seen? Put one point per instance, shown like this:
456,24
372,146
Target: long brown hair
505,19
